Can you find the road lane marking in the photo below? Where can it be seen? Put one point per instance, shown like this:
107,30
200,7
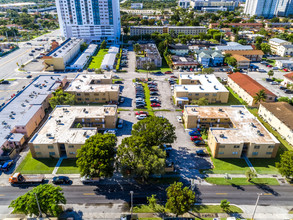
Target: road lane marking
89,194
8,61
267,194
221,193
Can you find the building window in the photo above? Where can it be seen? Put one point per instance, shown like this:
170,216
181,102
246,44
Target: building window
236,146
51,153
221,152
50,147
189,94
271,146
77,94
87,99
235,153
254,153
70,146
222,146
38,153
37,147
256,147
269,153
71,152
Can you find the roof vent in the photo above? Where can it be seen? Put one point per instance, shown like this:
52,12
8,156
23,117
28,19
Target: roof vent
259,133
48,134
84,76
215,87
201,87
84,134
240,112
222,135
220,110
252,125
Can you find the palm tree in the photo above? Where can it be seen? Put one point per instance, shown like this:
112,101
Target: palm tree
250,174
260,96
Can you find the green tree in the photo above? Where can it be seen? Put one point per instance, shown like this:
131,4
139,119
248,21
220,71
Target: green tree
260,96
266,48
231,61
258,42
155,130
285,166
96,157
83,46
250,174
208,70
270,73
225,205
135,157
61,98
126,30
202,101
149,66
179,199
242,41
49,197
136,48
99,71
103,45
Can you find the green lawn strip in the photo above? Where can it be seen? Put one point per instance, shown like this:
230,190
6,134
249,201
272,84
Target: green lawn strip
231,166
123,109
68,166
97,60
115,80
234,99
147,97
214,209
31,165
161,110
10,79
163,69
241,181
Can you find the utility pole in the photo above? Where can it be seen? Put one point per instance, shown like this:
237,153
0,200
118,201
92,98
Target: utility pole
148,67
258,195
40,212
131,201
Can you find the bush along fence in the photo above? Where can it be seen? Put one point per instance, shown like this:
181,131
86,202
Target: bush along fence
119,60
8,52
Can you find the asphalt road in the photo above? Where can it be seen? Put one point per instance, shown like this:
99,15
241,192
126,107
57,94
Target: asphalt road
118,193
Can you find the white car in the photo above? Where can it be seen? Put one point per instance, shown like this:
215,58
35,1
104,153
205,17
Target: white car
88,179
110,131
120,123
179,119
141,116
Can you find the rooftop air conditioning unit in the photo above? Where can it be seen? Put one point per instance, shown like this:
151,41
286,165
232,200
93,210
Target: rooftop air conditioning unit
48,134
222,135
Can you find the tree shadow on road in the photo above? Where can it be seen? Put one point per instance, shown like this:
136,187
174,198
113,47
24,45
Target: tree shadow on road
266,189
71,214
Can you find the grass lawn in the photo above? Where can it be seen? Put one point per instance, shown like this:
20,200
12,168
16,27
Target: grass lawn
231,166
147,97
214,209
68,166
97,60
242,181
36,166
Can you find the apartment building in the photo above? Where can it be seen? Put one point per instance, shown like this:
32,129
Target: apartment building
137,5
194,87
94,20
252,55
246,88
234,46
280,116
24,112
84,58
209,57
278,46
288,79
242,25
233,132
151,55
265,8
94,89
61,56
143,30
212,5
68,127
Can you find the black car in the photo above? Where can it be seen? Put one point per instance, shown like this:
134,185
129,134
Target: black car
61,180
288,91
155,101
282,87
29,76
118,82
140,106
154,93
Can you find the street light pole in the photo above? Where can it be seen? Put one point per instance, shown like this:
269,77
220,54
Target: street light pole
40,212
148,67
258,195
131,201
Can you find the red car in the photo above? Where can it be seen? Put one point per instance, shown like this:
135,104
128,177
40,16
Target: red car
141,112
286,70
153,89
168,72
194,138
269,65
174,77
155,105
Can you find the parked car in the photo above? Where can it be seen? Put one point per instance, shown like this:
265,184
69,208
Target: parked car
154,93
141,112
155,101
282,88
155,105
173,77
288,91
118,82
179,119
140,106
153,89
5,167
120,123
201,153
110,131
274,83
89,180
115,77
141,117
286,70
269,80
194,138
139,99
168,72
122,99
194,133
61,180
29,76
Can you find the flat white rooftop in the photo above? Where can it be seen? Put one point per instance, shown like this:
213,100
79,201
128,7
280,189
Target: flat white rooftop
65,48
89,83
59,126
207,84
246,127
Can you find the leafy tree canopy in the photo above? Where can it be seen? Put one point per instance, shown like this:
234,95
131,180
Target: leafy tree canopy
61,98
285,166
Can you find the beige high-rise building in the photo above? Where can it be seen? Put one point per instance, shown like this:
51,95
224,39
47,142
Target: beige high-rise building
68,127
94,89
233,131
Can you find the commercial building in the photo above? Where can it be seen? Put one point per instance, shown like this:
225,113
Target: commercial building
265,8
209,57
62,56
144,30
280,47
184,62
288,79
252,55
194,87
246,88
108,62
284,64
184,4
233,131
94,89
242,62
234,46
209,5
178,49
151,55
242,25
84,58
68,127
285,8
25,111
280,116
94,20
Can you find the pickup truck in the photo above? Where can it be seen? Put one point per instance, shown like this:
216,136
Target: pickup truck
18,178
5,167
